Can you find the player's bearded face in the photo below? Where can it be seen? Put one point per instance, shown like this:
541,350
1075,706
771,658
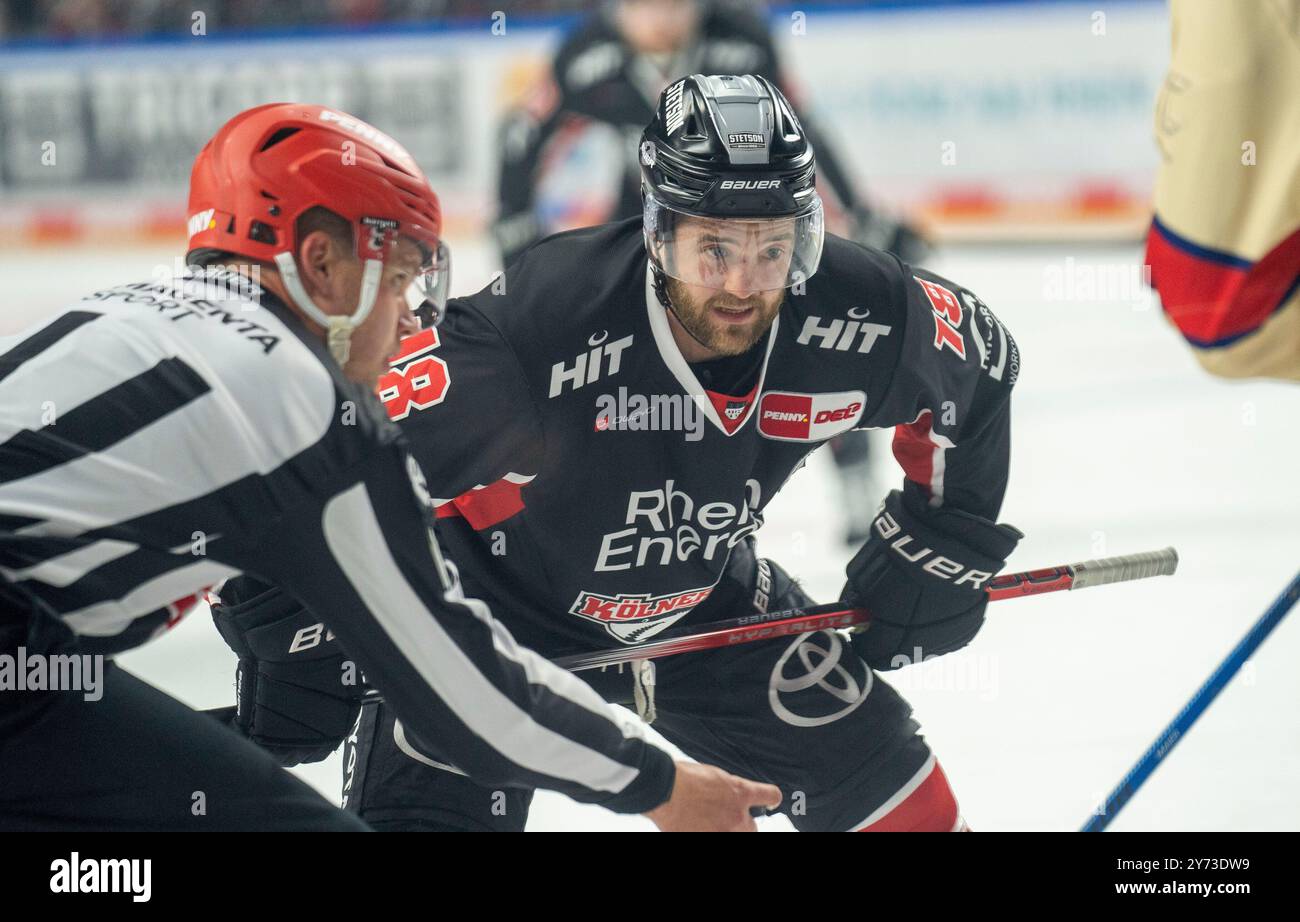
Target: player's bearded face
741,268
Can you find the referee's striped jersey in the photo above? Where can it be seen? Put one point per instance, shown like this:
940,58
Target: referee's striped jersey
159,437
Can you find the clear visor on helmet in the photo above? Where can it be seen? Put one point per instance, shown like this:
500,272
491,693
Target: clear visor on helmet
427,294
735,254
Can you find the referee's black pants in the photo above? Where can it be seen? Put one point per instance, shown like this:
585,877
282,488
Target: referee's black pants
135,759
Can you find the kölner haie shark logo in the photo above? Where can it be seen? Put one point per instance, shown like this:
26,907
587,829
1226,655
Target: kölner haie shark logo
632,618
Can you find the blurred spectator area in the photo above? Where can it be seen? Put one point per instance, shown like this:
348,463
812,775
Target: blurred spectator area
977,118
65,19
73,19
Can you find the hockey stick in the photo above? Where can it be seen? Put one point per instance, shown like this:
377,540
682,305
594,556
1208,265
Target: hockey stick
1204,696
834,615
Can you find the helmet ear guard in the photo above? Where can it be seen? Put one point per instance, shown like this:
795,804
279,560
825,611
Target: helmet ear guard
338,327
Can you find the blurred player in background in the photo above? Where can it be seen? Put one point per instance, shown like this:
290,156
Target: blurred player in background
1224,248
568,159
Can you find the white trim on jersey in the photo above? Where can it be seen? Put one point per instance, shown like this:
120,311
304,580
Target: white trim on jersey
67,568
681,369
938,457
899,796
112,617
938,466
354,537
250,431
403,744
44,387
539,671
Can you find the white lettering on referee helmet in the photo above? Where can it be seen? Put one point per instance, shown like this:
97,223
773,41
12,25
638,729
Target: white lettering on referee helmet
588,368
369,133
200,222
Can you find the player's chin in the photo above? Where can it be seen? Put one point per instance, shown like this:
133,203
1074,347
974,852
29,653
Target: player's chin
735,339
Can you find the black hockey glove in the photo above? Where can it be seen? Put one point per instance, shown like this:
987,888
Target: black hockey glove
298,693
922,575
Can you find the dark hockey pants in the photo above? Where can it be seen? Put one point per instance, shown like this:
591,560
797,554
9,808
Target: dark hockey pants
135,759
805,714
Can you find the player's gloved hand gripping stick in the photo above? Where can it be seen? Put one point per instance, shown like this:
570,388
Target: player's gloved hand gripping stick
922,574
749,628
271,638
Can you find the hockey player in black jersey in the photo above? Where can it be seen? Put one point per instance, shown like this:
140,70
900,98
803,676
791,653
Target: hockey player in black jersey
627,403
157,438
604,82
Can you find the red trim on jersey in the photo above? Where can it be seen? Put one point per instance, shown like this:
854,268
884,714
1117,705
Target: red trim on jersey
720,402
931,807
1215,297
484,507
914,450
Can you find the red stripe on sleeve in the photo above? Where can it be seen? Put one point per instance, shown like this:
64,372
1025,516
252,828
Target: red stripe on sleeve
484,507
914,450
1210,301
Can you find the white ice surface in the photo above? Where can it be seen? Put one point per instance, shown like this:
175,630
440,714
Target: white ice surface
1121,444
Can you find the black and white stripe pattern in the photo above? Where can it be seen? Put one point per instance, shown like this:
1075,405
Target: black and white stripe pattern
103,416
160,438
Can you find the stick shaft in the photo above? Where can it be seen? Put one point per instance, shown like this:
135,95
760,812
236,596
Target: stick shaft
1194,708
1085,575
792,621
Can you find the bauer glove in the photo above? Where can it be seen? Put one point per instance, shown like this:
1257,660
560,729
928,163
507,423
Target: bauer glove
298,693
922,574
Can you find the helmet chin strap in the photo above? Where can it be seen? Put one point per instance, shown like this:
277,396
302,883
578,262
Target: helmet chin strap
661,292
338,327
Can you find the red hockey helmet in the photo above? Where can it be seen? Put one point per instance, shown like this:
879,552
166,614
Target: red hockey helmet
269,165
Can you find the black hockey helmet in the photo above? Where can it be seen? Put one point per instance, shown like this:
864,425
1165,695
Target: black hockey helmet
730,148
